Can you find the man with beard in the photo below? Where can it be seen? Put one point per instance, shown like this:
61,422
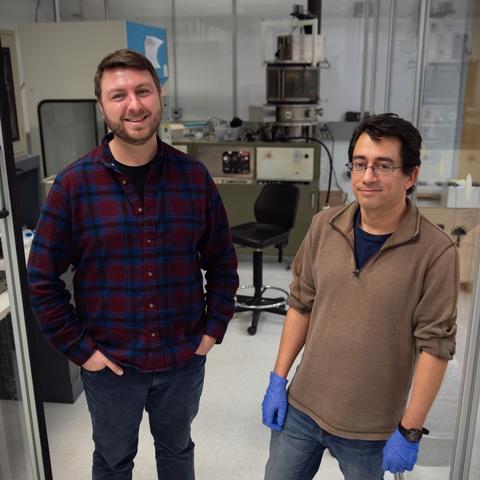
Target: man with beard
138,221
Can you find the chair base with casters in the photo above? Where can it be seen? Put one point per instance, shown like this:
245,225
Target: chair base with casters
257,303
275,210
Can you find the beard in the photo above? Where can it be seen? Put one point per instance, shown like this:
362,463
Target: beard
141,136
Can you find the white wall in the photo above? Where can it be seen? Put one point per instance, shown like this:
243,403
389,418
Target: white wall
13,12
68,72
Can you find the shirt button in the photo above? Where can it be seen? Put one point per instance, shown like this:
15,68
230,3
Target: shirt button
151,305
140,210
149,274
148,241
124,182
154,334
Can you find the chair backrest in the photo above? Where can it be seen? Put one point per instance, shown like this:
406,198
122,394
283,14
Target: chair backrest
277,204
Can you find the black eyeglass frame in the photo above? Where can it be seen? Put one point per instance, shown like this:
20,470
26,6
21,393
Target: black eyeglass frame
375,169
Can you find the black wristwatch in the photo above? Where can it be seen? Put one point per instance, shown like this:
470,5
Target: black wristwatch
412,435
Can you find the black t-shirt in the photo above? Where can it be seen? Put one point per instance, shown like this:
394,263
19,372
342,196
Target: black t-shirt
138,174
366,244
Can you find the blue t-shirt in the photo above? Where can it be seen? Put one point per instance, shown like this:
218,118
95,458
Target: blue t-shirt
366,244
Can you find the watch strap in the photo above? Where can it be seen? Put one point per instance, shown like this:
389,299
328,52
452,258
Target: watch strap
412,435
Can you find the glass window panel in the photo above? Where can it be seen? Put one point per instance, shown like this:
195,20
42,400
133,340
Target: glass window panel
405,51
475,463
15,454
469,162
68,129
449,105
340,85
449,127
446,71
436,449
204,59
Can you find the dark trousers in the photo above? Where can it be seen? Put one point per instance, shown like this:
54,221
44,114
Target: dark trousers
116,406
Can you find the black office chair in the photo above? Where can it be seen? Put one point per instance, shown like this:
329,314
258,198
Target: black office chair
275,211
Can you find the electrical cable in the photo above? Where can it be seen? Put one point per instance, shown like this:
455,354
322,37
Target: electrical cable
218,119
332,139
311,139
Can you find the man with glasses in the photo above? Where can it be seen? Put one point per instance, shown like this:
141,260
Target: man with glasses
373,304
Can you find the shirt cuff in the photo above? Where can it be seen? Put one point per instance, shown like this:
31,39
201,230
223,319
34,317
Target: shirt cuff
216,330
438,347
81,351
297,305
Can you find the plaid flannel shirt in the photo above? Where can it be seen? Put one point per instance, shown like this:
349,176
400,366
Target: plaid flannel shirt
138,286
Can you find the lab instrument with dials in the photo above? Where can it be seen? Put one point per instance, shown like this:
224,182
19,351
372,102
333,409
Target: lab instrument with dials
240,169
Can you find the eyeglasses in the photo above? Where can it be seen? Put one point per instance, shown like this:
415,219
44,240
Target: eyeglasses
359,167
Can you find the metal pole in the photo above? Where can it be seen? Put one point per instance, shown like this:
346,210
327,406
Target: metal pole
469,392
56,11
234,58
174,50
373,70
390,44
421,59
106,9
363,87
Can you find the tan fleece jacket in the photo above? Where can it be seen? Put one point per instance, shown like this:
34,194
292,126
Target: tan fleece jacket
368,326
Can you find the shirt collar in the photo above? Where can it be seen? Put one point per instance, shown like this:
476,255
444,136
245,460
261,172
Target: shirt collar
109,161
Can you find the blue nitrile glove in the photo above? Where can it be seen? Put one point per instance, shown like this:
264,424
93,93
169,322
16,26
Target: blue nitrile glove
399,454
274,405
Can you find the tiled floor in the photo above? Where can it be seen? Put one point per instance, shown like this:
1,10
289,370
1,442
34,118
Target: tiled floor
232,443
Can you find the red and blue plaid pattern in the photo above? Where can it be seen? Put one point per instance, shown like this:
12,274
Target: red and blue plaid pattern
138,283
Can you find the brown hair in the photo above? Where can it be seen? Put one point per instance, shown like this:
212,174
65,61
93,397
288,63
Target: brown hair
123,58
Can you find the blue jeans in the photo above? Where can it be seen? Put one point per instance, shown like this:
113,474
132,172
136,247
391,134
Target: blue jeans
116,405
296,451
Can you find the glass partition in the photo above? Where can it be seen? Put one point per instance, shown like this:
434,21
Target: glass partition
452,201
203,42
474,471
23,450
449,122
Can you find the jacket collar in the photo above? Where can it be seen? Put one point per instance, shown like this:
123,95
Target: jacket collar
407,229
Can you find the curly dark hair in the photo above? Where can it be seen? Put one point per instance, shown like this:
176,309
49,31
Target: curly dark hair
391,125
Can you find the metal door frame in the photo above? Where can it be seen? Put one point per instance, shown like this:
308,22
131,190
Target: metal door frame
16,275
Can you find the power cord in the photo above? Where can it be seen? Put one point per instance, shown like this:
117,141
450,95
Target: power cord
330,174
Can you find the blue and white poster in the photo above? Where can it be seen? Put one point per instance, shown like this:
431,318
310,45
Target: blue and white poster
152,42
